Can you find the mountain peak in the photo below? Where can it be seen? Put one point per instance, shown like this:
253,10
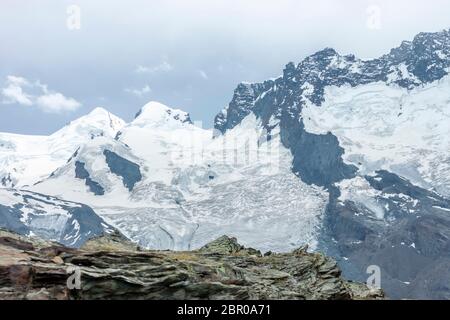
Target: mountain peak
99,111
324,54
156,113
97,122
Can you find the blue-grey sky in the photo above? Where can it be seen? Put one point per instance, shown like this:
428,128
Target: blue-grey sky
188,54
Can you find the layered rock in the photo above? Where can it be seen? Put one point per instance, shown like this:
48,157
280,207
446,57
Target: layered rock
112,268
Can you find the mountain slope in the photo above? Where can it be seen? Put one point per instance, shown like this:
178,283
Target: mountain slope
65,222
375,135
188,188
24,160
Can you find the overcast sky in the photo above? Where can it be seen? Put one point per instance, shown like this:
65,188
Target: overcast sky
188,54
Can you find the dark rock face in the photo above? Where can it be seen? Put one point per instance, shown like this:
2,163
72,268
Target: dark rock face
318,159
350,230
283,99
34,269
70,224
10,220
82,173
7,181
90,225
413,237
127,170
241,105
422,56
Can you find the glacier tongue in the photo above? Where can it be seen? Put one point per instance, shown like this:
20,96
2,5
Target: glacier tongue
274,212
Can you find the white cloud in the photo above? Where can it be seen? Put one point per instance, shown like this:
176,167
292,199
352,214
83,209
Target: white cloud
57,102
13,92
139,92
203,74
163,67
43,98
15,80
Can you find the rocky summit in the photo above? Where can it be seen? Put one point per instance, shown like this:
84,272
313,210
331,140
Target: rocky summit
111,267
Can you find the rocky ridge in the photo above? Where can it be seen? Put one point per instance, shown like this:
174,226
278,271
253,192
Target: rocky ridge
113,268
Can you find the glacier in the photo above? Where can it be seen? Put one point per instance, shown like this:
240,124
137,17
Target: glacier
388,127
190,193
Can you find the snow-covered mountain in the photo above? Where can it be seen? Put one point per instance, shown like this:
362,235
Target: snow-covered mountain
24,160
375,135
351,157
167,184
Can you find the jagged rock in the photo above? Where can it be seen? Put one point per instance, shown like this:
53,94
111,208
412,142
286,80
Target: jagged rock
114,241
35,269
227,245
58,260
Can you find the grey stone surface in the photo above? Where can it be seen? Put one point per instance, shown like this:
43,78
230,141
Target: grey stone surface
82,173
411,240
127,170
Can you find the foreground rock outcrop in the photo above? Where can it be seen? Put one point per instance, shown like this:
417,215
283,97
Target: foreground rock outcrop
110,267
